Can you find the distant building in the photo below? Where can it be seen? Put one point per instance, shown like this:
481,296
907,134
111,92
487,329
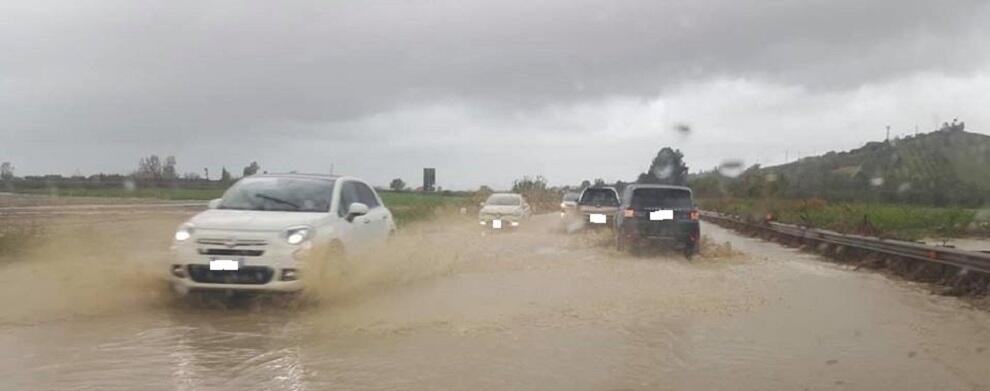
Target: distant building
429,179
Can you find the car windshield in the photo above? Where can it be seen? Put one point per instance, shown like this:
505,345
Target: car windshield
571,197
661,199
599,197
279,194
503,200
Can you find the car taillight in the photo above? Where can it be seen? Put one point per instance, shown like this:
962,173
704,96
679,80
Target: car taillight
694,215
629,213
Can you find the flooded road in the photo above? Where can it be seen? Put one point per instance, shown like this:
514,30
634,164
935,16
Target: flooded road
448,308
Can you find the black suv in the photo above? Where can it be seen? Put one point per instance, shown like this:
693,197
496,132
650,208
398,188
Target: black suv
657,214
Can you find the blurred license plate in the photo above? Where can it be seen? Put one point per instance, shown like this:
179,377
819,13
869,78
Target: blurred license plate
662,215
597,218
497,224
224,264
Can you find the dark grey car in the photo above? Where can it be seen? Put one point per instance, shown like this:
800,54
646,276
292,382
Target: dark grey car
657,214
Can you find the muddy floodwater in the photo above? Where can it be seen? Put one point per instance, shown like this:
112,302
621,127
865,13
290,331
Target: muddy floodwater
445,307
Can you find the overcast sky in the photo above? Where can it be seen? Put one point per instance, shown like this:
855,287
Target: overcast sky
485,91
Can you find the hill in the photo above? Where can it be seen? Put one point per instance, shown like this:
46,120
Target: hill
945,167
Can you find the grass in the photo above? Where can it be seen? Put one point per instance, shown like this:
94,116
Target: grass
411,207
118,192
908,222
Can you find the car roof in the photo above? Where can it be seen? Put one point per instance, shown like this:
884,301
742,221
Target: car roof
300,176
508,194
627,193
653,186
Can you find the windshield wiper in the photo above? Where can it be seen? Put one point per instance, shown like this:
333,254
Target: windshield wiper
275,199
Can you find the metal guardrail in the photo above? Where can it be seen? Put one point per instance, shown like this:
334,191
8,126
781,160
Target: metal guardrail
967,260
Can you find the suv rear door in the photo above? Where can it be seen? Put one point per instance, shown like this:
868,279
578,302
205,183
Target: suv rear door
598,200
645,201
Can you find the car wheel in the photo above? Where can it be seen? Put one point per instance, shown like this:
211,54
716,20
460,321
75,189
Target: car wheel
334,257
691,249
620,243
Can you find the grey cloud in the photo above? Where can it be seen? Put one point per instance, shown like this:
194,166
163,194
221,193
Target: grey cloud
147,73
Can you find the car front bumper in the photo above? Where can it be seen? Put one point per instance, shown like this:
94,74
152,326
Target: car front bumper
276,270
183,286
507,221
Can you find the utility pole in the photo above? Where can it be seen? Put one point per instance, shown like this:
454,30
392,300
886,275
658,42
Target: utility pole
888,133
331,168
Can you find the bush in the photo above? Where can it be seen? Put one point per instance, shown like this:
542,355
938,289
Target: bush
899,221
540,197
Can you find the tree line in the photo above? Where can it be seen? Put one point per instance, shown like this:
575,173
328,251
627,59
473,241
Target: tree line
151,170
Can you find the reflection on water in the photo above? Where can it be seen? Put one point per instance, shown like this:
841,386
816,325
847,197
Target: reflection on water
243,350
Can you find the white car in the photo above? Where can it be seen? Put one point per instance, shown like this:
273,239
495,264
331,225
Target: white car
504,210
259,235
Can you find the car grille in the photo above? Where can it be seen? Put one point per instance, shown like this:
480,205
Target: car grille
254,275
498,217
227,251
232,242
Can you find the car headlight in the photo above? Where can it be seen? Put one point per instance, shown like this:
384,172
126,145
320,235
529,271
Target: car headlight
298,235
184,232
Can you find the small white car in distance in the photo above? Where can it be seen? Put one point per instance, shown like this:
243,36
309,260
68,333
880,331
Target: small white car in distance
504,210
259,236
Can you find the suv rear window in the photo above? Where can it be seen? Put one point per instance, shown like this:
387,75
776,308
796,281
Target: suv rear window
599,197
660,199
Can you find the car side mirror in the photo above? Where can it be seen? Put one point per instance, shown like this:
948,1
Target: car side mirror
214,203
356,209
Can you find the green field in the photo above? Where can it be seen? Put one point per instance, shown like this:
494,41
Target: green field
410,207
407,207
119,192
15,235
887,220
